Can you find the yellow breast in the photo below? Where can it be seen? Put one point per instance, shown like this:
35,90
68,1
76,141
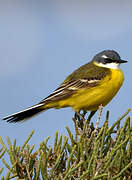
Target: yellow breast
92,98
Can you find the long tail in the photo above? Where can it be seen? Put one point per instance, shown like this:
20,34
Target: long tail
25,114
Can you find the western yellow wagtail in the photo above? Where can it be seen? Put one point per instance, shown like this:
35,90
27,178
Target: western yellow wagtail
88,87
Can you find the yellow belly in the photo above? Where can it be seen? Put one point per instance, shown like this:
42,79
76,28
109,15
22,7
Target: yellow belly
90,99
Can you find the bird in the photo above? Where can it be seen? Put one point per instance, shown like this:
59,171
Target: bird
88,87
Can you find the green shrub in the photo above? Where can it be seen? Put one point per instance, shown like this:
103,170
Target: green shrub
92,153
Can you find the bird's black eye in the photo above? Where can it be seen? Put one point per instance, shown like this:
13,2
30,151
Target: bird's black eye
108,60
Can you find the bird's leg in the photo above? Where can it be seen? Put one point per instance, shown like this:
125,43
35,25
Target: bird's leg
81,117
91,115
84,113
77,115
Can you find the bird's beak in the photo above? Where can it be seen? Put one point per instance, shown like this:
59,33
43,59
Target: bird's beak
122,61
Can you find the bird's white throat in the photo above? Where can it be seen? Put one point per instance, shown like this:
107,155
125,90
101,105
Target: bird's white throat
109,65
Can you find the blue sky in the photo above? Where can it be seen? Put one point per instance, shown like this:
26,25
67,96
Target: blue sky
41,42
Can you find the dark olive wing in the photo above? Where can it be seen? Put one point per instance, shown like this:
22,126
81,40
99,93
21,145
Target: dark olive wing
68,89
86,76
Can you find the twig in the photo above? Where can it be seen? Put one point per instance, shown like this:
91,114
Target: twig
99,116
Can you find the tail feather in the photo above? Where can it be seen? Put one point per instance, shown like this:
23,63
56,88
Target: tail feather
25,114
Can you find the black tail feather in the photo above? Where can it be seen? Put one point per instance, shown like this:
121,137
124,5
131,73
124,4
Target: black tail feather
25,114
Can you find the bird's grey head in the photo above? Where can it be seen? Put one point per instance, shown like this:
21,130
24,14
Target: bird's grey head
109,59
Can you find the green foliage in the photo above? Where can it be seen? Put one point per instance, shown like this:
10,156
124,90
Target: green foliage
92,153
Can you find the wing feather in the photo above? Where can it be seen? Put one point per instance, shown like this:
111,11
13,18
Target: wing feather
86,76
69,88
